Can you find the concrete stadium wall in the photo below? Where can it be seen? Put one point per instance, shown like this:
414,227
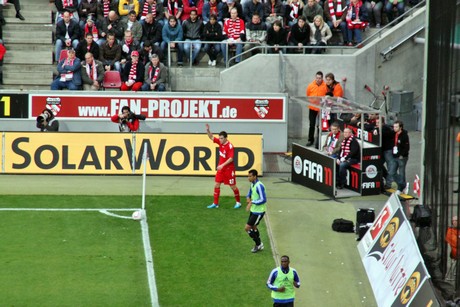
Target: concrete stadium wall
365,66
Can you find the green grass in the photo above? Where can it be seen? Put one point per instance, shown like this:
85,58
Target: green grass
201,257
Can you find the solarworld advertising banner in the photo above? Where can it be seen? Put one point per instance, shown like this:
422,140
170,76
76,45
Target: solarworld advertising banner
262,107
117,153
392,260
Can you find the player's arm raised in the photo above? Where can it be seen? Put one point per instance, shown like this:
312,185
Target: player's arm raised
210,136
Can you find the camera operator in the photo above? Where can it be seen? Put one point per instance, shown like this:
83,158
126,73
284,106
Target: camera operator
127,120
47,122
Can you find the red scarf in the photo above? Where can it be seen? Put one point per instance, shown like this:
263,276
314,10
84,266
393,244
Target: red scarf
92,72
67,3
354,10
294,10
213,8
93,30
68,75
332,12
346,147
145,10
155,76
170,9
133,72
106,8
233,28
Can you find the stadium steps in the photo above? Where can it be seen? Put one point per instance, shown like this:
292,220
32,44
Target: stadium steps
28,63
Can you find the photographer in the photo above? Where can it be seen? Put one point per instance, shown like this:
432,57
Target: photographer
127,120
47,122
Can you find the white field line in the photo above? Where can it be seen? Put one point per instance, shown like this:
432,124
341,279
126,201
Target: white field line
149,260
145,239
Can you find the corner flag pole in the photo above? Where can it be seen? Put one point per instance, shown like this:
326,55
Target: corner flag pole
144,160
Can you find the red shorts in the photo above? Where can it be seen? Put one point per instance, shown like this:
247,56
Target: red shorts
226,176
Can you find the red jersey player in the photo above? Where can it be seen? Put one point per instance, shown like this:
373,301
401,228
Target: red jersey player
225,168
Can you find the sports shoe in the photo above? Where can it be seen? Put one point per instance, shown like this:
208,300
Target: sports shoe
398,192
213,63
406,189
213,206
257,248
237,206
209,62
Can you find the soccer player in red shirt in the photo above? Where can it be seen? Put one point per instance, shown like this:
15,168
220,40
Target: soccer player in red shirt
225,168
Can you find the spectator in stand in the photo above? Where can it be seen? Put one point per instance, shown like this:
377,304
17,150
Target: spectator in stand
226,9
111,54
156,76
87,45
112,24
92,73
133,25
233,31
145,55
132,74
252,7
90,27
300,35
17,7
67,34
173,8
212,32
356,18
393,6
295,8
193,29
319,34
126,6
70,6
192,5
213,7
277,37
273,10
87,8
171,32
69,73
333,11
374,10
311,10
256,34
128,45
151,31
155,8
104,7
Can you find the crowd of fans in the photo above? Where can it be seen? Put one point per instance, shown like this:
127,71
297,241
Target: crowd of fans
109,31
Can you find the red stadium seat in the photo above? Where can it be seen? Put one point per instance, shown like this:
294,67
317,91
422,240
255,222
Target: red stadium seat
62,55
112,80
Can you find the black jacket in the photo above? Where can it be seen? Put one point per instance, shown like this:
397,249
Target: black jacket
403,145
212,32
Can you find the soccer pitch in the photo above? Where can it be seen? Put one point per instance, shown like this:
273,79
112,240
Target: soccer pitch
68,250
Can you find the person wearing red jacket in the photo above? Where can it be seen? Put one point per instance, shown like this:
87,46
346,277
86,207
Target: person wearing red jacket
233,31
126,120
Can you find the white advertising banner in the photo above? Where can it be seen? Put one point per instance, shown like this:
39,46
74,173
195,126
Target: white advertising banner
393,262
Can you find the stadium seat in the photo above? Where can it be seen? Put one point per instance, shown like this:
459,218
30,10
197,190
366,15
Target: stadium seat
112,80
62,55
